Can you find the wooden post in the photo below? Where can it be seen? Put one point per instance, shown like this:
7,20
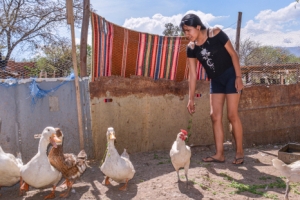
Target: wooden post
84,36
238,31
70,18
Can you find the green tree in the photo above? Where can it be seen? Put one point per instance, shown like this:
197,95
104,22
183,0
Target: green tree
171,30
253,53
57,58
267,55
28,23
247,46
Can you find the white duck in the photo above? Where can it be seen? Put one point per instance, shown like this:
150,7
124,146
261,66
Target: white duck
118,168
290,171
181,154
9,168
38,172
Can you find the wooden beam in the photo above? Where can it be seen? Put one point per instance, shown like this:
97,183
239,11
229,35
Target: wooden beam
84,36
78,99
69,7
238,31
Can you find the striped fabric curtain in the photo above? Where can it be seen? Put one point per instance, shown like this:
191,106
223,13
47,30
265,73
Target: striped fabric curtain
122,52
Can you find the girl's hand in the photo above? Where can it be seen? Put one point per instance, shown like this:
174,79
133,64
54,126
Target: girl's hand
191,106
239,84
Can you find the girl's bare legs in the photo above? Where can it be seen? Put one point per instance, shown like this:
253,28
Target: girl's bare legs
233,117
216,112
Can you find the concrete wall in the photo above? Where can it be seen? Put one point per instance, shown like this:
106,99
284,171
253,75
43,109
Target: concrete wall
147,114
20,120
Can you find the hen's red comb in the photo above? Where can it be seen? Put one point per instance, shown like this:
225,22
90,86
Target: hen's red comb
184,131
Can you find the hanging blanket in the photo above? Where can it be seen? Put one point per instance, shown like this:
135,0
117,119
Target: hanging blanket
123,52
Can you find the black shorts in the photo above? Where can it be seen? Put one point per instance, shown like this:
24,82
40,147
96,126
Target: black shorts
225,83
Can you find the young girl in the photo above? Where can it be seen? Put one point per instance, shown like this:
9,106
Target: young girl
212,47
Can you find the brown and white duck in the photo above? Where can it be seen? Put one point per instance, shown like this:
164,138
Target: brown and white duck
70,165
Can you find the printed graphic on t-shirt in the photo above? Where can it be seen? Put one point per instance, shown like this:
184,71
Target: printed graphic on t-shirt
205,55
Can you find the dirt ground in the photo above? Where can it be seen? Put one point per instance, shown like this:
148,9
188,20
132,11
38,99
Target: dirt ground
156,178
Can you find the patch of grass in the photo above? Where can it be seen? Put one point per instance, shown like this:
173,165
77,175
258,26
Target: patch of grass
221,183
264,178
155,156
278,184
164,162
226,176
203,164
254,189
247,188
271,196
190,123
296,191
194,182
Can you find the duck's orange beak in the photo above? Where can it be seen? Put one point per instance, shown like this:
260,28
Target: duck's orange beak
112,137
54,139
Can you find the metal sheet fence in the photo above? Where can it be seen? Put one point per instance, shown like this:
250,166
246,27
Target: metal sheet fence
20,119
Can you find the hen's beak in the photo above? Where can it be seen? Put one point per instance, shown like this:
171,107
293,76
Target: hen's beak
112,136
54,140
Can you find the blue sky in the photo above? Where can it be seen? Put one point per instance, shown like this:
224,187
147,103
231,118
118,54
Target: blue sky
269,22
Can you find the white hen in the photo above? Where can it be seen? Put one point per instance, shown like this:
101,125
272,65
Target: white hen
291,172
181,154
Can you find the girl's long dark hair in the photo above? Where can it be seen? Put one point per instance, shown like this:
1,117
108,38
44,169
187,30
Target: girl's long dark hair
192,20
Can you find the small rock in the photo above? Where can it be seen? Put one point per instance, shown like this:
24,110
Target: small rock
73,190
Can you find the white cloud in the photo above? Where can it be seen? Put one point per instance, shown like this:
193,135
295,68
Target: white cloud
269,38
156,24
268,20
275,28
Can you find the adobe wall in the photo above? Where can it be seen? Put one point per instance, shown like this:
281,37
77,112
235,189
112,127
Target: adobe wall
148,114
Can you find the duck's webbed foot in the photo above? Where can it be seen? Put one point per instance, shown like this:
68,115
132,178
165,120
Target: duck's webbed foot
124,187
24,187
107,181
52,194
63,185
69,187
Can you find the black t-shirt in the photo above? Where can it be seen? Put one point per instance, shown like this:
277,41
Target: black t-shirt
212,54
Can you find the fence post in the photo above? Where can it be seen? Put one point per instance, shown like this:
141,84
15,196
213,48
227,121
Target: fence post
70,18
238,31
